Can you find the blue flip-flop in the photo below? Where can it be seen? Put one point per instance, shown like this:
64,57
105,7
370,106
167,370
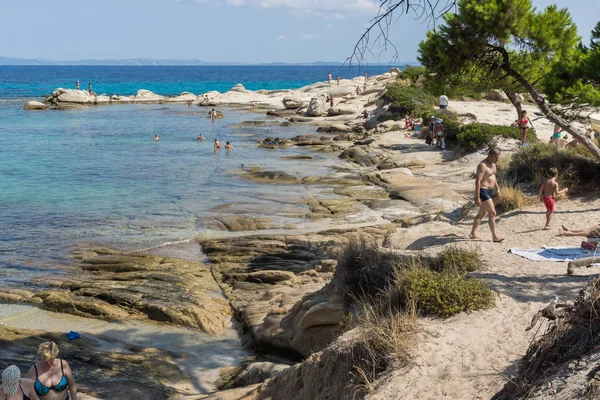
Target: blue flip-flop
72,335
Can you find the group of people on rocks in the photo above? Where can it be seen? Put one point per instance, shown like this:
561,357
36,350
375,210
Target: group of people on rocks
49,378
78,87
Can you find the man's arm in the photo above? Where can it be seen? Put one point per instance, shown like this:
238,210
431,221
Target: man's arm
478,178
498,189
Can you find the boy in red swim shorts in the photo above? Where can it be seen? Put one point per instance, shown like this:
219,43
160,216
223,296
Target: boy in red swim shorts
548,191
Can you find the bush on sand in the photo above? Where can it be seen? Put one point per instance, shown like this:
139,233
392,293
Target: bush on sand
577,171
388,292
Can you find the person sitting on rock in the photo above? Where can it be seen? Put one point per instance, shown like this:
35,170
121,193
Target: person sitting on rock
53,376
409,123
15,387
90,89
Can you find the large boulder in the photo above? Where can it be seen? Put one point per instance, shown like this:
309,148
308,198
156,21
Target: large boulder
316,107
147,96
342,110
115,98
341,91
35,105
103,99
239,88
183,97
75,96
292,102
496,95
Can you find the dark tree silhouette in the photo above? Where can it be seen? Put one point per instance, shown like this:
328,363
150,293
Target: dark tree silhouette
376,36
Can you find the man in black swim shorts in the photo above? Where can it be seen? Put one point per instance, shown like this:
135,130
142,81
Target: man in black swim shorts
485,183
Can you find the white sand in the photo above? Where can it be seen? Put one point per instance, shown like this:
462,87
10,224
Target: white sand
470,356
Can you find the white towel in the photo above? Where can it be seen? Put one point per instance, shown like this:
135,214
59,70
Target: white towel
554,253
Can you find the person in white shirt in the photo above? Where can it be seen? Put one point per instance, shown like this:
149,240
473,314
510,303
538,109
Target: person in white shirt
443,102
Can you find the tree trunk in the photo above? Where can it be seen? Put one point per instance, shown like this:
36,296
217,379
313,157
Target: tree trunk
513,99
541,102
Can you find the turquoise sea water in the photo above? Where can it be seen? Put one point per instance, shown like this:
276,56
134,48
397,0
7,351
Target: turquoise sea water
94,176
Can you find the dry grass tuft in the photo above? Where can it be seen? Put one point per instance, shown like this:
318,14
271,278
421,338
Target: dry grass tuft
387,337
565,340
512,198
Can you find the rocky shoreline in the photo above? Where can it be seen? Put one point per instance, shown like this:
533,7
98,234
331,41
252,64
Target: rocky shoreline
280,287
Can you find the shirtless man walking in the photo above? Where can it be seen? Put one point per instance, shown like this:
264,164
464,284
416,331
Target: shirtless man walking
485,183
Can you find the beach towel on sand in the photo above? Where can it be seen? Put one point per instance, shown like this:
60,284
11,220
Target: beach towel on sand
554,253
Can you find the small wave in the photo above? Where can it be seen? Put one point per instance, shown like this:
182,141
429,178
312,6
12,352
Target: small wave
166,244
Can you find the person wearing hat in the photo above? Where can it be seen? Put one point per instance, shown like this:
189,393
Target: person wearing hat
16,388
438,132
430,135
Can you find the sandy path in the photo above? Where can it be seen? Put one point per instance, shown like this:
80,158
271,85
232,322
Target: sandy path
465,357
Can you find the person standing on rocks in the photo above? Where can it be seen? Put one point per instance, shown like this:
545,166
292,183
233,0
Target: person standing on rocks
77,85
90,88
331,100
329,77
443,102
337,79
485,183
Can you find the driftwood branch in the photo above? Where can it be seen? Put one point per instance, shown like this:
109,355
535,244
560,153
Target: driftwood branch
584,262
552,312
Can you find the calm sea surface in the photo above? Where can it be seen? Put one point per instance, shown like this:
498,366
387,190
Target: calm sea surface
94,176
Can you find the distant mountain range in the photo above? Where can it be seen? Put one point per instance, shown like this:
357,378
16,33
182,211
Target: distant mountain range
151,62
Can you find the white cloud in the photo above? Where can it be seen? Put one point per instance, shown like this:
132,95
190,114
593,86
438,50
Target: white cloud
280,37
319,7
329,27
310,36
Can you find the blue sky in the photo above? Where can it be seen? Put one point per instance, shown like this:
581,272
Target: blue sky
248,31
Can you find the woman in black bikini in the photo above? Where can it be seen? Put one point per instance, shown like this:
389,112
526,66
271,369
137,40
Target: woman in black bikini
52,376
16,388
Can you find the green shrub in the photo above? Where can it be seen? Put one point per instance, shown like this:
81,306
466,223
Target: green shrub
577,171
475,136
364,269
443,294
455,259
411,73
405,99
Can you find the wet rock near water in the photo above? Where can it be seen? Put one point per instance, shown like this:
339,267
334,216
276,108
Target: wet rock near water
131,374
275,285
275,143
237,223
123,286
35,105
